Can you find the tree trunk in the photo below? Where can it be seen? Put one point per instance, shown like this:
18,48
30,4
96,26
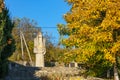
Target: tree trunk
108,73
116,77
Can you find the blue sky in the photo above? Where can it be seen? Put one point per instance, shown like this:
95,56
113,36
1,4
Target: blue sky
47,13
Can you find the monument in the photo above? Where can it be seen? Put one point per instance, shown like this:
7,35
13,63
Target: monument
39,50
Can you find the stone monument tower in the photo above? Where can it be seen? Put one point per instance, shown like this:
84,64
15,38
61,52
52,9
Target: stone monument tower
39,50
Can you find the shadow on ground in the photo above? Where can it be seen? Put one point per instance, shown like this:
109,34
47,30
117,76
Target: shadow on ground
20,72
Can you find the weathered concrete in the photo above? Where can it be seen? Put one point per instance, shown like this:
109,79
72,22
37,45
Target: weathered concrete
39,60
39,50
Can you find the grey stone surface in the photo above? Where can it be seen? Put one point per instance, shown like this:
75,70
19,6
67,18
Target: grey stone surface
44,73
39,50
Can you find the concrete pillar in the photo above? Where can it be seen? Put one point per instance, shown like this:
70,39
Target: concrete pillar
39,60
39,50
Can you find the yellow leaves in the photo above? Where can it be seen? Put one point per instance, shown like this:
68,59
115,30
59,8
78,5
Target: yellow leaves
109,57
85,30
95,15
73,25
112,15
103,36
81,55
70,41
115,48
68,17
110,54
118,14
72,17
93,21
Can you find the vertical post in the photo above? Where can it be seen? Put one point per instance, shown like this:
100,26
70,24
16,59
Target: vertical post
116,77
21,46
27,48
108,73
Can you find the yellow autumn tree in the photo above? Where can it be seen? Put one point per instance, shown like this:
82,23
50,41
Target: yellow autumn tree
93,32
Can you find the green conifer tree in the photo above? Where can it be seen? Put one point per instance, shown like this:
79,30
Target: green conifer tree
7,43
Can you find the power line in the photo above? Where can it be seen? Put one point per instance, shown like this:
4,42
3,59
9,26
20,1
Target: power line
48,27
45,27
42,27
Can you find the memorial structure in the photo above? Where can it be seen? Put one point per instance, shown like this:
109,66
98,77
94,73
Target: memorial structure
39,50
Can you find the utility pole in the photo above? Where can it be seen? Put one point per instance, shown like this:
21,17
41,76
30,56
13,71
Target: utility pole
23,39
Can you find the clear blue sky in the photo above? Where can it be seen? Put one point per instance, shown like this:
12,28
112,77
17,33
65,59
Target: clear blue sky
47,13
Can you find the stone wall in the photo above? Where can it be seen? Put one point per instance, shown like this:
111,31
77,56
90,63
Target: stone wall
20,72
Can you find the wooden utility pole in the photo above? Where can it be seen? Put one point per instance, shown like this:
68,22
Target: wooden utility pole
22,46
23,39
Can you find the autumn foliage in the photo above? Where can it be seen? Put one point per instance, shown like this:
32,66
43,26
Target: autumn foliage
93,32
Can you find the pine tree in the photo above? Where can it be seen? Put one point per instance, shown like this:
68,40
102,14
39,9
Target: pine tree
7,42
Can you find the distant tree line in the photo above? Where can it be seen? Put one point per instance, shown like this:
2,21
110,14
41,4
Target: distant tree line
30,29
